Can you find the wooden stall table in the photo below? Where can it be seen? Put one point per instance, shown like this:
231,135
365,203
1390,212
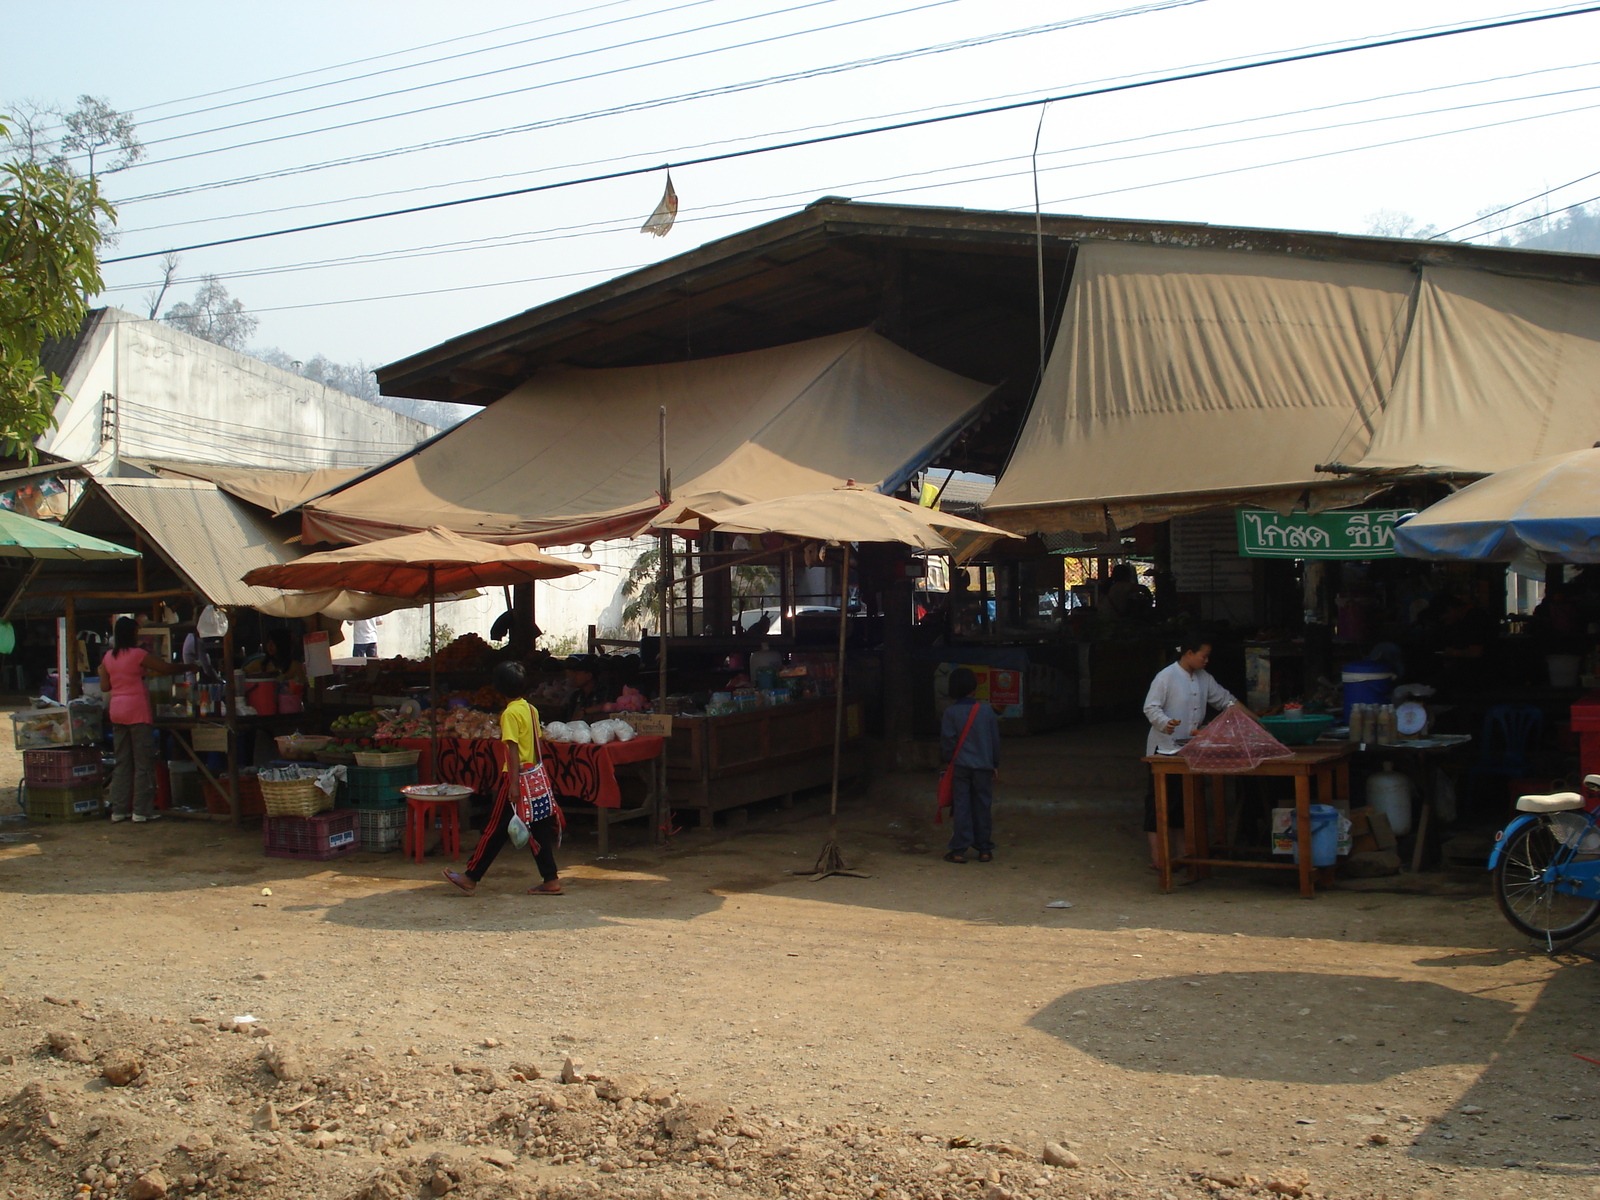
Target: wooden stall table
1327,764
582,775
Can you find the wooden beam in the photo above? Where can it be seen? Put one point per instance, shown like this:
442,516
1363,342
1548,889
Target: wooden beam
169,594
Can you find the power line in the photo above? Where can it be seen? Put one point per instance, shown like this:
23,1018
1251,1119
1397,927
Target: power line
901,56
961,182
524,66
1486,216
659,102
834,137
834,125
1541,216
429,62
618,224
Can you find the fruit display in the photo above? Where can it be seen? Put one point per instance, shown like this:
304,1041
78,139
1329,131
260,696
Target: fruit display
466,652
358,724
453,722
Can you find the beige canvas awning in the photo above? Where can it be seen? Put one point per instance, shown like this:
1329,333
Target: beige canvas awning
1497,372
1183,379
572,455
275,491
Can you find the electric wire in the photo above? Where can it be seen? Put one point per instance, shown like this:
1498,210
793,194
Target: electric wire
812,73
1019,208
622,223
573,118
1538,217
834,137
126,232
1489,215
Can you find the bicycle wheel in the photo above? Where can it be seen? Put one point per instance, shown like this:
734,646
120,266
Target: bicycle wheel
1532,905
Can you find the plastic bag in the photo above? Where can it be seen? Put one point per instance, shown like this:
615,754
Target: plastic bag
518,832
1232,744
556,731
578,731
625,732
601,733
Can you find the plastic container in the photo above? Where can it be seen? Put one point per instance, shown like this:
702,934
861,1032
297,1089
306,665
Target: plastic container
263,697
382,829
1564,669
378,787
251,803
1324,836
65,767
1366,683
58,725
316,839
1389,791
84,802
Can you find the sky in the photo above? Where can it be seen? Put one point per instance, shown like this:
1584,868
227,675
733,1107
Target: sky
259,118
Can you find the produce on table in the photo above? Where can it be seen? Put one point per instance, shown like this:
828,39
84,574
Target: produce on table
453,722
359,724
468,650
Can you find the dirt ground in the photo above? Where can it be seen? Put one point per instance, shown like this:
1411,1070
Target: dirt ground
920,1033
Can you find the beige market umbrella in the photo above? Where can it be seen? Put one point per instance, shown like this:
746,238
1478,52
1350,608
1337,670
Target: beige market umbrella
418,566
339,605
839,516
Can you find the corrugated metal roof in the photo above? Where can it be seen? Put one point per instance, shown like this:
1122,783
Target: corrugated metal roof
210,538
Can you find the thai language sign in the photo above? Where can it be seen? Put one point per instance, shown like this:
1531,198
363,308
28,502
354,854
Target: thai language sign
1357,534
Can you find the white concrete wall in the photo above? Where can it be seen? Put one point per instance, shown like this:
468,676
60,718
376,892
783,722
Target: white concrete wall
179,397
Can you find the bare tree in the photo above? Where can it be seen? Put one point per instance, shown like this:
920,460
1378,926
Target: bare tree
29,137
94,126
215,316
169,268
1390,222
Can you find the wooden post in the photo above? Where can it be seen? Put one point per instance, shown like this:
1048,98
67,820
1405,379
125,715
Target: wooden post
70,682
230,683
664,576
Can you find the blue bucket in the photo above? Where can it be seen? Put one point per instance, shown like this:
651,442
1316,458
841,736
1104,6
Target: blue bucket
1324,835
1365,683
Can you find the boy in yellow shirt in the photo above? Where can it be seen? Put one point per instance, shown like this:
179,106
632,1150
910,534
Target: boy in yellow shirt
519,729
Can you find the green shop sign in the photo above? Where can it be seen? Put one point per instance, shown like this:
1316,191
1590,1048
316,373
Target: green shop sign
1359,534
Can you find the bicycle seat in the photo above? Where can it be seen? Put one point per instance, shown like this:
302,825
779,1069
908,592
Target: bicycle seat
1556,802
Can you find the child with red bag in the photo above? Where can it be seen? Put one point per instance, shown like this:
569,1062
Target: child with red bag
519,729
970,744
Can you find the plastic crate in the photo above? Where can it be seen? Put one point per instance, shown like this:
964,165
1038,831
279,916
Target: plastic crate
66,767
85,802
324,836
382,829
250,802
378,787
77,724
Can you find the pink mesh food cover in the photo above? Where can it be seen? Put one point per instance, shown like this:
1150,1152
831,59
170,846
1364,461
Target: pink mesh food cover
1232,744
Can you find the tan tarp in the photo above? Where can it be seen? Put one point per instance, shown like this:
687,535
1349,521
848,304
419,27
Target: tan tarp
207,536
1497,372
275,491
572,454
1180,372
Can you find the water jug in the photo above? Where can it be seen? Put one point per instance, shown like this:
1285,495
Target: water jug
1389,792
1324,836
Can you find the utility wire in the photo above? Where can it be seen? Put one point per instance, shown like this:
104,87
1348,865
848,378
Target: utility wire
901,56
660,102
430,62
1444,87
1488,215
1540,216
609,271
834,137
617,224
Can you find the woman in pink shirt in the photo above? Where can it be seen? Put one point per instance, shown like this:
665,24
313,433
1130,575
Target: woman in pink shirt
122,675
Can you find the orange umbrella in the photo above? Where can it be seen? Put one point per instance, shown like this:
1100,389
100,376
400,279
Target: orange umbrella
418,566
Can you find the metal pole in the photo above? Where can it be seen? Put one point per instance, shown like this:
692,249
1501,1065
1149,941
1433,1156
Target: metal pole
838,681
433,674
664,574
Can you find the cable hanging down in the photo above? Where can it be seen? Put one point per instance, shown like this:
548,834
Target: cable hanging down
835,137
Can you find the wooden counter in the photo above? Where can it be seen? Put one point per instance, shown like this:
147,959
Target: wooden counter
716,763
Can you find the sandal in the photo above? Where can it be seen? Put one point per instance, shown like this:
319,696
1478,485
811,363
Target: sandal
985,856
461,881
550,887
955,858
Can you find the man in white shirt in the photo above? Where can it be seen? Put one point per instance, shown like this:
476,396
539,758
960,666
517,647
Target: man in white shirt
1176,706
364,637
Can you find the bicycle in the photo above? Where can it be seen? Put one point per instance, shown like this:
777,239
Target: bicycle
1546,865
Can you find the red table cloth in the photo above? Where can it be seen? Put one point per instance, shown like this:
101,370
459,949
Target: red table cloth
577,772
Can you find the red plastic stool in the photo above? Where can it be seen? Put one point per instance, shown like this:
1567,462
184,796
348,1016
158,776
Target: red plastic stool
419,819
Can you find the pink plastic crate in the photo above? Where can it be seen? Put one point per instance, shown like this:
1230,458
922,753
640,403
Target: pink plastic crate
324,836
66,767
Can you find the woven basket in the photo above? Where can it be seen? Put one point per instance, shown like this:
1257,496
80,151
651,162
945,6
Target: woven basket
298,748
391,758
294,798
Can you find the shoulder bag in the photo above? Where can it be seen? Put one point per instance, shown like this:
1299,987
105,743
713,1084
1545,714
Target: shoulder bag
947,781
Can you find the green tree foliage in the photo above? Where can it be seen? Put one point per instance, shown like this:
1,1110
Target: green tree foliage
214,316
50,239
